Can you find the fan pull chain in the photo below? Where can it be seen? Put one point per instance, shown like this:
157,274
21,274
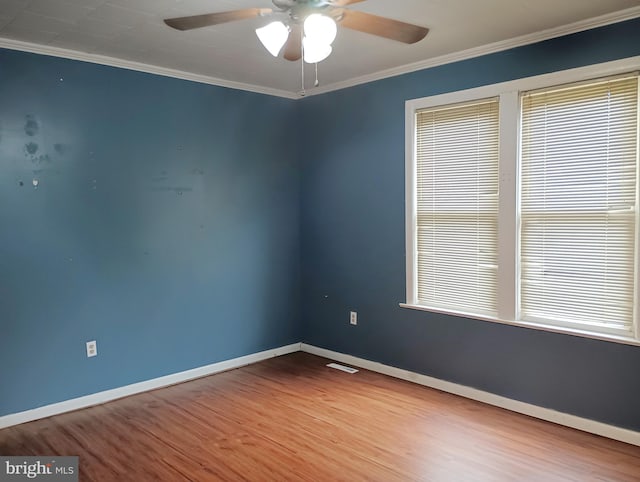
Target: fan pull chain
303,92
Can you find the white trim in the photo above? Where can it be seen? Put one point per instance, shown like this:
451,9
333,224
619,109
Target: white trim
560,77
411,203
114,394
601,21
528,324
507,201
508,219
595,22
579,423
10,44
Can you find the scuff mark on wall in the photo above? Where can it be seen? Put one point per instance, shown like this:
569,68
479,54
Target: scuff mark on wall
42,158
177,189
61,149
31,148
171,183
31,126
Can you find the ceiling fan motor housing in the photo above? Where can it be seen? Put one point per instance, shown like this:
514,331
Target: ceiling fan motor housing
287,4
298,9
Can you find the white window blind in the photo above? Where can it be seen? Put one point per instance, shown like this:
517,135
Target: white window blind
457,150
579,156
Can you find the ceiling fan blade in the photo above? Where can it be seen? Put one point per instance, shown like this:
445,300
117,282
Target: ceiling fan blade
293,47
383,27
344,3
208,19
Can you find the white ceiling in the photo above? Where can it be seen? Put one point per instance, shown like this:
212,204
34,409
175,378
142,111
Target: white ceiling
230,54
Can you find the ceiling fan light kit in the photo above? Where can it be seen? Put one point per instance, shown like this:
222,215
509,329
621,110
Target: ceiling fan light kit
315,52
273,37
311,27
319,33
320,28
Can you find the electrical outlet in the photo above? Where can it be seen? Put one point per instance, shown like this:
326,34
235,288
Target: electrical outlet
353,318
92,348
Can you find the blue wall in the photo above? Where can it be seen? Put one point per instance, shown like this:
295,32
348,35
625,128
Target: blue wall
353,245
170,218
165,225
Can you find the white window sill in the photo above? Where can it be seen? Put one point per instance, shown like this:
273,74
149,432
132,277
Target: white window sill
527,324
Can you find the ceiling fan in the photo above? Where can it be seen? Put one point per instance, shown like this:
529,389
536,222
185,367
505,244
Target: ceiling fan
310,26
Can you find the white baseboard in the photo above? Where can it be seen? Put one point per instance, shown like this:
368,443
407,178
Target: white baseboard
109,395
584,424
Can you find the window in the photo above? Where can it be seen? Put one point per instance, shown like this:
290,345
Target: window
578,204
457,206
522,202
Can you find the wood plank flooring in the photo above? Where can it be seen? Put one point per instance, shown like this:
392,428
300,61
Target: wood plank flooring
292,418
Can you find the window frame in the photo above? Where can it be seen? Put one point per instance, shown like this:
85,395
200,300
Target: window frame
508,219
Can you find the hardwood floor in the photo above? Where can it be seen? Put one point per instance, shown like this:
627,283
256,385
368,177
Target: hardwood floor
292,418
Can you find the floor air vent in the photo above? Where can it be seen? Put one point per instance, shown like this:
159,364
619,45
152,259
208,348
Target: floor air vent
342,367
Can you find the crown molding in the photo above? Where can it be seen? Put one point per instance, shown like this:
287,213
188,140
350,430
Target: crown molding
601,21
10,44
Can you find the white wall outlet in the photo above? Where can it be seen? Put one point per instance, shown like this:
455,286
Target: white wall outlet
353,318
92,348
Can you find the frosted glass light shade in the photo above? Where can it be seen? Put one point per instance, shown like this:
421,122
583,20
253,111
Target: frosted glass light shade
273,36
320,28
315,52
